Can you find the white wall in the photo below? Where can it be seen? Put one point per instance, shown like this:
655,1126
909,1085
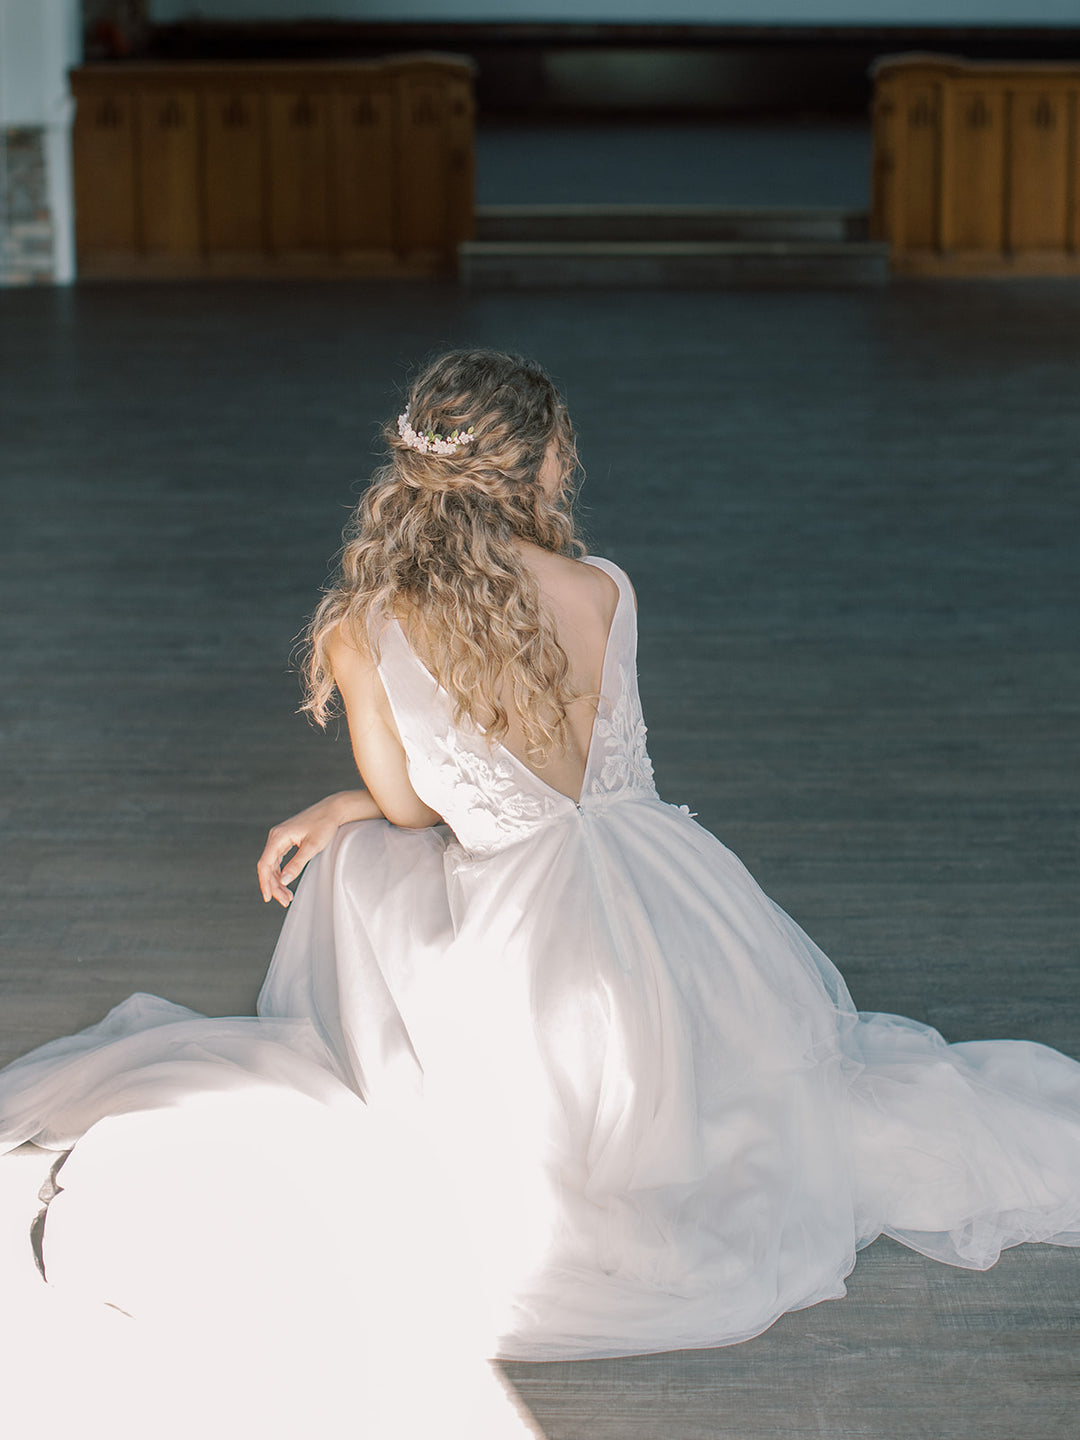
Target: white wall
39,40
824,12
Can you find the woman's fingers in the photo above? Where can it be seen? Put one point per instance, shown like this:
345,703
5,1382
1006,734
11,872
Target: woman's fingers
272,888
268,867
275,872
267,862
304,852
312,842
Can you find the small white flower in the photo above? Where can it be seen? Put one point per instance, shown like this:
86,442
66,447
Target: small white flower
432,443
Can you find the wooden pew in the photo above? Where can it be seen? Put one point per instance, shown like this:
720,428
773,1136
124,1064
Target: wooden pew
976,166
256,169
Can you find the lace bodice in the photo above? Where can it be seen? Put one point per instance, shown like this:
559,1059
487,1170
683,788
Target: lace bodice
490,798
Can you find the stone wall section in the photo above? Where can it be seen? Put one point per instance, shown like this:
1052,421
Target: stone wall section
27,249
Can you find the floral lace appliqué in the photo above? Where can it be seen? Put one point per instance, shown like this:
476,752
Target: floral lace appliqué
484,804
622,761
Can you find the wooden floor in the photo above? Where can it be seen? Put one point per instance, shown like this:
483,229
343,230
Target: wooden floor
852,523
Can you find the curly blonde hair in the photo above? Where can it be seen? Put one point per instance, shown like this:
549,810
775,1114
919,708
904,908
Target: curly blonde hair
432,543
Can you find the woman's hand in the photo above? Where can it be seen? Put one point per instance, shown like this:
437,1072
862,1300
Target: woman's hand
306,834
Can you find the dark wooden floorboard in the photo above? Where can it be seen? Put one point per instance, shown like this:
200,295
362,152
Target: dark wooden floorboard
852,523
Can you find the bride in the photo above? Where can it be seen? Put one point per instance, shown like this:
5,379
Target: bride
537,1061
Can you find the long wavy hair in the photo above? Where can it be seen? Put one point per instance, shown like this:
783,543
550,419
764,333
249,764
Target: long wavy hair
432,543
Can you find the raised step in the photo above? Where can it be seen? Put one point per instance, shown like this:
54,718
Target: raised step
671,264
506,223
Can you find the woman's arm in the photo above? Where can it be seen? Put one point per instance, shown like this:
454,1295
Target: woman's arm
308,833
380,758
376,745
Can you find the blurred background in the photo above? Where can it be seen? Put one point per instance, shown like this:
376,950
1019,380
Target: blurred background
721,103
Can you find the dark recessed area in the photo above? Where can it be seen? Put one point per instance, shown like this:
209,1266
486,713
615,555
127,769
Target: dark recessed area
629,69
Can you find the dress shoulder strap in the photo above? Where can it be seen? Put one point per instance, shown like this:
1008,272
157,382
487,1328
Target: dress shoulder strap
622,638
610,568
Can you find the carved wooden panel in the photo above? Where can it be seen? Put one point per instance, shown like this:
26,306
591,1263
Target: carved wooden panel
975,195
1038,161
422,181
363,156
169,181
234,177
299,133
105,174
920,125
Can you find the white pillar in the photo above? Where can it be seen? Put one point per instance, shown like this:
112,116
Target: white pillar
39,41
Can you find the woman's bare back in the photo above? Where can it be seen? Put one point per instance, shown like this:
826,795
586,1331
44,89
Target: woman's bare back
581,601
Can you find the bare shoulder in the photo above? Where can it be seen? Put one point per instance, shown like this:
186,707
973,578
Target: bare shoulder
568,584
349,657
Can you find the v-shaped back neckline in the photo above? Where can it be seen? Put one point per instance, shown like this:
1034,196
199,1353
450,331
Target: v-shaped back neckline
598,563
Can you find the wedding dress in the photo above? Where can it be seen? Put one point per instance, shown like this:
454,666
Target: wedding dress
555,1078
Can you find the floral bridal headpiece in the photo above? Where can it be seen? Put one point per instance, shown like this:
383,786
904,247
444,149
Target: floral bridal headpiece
430,442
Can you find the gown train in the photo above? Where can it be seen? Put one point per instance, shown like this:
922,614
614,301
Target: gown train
552,1080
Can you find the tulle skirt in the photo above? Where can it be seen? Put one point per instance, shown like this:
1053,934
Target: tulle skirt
593,1095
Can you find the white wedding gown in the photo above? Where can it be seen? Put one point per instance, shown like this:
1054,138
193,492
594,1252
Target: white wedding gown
613,1099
